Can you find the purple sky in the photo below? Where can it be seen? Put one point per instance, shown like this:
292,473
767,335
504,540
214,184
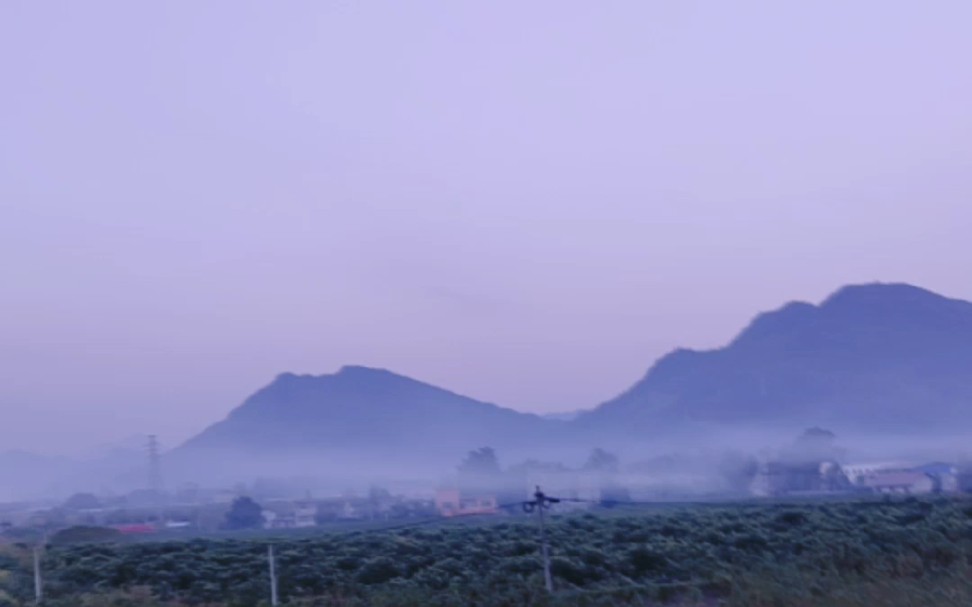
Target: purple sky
526,202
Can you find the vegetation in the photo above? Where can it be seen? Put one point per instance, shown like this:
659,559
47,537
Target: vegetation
871,553
84,534
244,514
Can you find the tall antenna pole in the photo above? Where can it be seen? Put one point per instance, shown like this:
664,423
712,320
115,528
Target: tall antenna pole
154,467
273,577
155,475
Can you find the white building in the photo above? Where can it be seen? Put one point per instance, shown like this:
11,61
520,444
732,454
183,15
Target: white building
909,482
857,472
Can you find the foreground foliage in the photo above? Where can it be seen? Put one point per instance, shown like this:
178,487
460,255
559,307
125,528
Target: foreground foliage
910,552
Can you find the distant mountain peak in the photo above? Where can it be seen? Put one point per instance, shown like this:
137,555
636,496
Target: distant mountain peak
346,373
371,412
363,371
881,293
882,353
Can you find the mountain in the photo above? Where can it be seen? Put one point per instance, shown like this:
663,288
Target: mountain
871,358
875,359
564,416
357,418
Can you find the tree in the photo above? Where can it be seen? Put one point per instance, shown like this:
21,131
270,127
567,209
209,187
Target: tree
481,462
244,514
605,466
813,446
85,534
82,501
602,461
737,471
963,476
480,473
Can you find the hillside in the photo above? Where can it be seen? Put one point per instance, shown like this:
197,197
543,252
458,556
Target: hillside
872,358
362,417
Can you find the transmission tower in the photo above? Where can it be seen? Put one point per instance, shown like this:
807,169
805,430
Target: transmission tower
154,466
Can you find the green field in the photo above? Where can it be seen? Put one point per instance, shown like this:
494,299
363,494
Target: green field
902,552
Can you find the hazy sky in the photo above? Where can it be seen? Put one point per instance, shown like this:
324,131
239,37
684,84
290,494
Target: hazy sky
526,202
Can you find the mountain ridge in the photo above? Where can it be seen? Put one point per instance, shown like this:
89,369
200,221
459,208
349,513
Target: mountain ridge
368,415
884,357
782,354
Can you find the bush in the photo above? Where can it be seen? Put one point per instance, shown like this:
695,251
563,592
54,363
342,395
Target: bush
81,534
378,571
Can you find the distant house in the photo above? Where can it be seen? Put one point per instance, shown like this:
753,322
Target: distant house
271,520
857,472
450,502
806,478
945,476
935,477
289,515
305,515
900,481
349,511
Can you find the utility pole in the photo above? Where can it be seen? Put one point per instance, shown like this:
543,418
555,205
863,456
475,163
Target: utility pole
38,582
544,548
273,577
540,503
154,465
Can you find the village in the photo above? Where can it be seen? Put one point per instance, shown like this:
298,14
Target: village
808,469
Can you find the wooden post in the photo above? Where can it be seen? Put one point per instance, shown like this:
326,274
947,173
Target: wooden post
273,577
38,581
